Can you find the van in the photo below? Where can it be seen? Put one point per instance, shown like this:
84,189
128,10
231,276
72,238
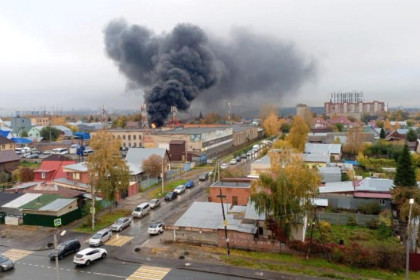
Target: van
59,151
141,210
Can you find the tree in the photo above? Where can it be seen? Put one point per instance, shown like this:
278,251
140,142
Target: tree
268,109
153,165
120,122
4,177
411,135
405,175
355,141
25,174
387,125
380,124
108,172
382,134
298,134
285,195
339,127
49,133
24,134
271,125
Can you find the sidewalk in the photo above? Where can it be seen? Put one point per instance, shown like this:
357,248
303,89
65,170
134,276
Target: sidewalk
142,257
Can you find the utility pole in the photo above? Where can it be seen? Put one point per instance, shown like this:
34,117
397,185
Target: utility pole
407,249
218,171
225,222
163,184
92,209
56,254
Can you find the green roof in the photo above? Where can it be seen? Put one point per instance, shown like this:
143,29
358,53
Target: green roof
40,201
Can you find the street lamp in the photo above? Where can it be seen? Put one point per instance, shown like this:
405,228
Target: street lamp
56,253
407,252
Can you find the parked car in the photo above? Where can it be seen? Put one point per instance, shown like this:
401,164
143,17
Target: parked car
31,156
189,184
6,263
47,152
120,224
65,248
243,156
232,162
238,158
203,177
154,203
224,166
87,152
211,173
180,189
88,255
155,228
100,237
171,196
36,151
141,210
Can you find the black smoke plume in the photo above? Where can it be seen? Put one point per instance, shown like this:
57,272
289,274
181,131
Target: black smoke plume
174,68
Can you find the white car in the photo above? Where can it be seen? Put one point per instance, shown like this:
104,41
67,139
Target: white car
180,189
88,255
224,166
120,224
100,237
232,162
155,228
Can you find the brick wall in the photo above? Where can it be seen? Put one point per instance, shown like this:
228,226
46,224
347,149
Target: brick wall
246,241
242,195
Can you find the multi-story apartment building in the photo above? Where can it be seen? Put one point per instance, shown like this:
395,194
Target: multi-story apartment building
130,138
352,104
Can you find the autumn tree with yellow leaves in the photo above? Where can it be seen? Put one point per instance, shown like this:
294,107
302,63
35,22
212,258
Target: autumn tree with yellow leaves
298,134
271,125
286,194
355,141
107,170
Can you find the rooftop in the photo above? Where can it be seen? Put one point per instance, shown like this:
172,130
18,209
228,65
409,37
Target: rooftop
193,130
8,155
202,215
57,204
225,184
40,202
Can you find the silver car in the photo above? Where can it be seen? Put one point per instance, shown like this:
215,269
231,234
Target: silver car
100,237
6,263
154,203
120,224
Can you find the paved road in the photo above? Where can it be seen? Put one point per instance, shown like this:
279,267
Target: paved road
36,265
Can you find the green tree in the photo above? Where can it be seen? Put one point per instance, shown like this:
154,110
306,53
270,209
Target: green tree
339,127
24,134
411,135
285,195
405,175
382,134
298,134
108,172
49,133
4,177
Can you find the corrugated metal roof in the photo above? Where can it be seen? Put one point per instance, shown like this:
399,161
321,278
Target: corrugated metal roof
375,185
337,187
329,170
135,157
65,181
57,204
81,167
315,148
252,214
316,158
203,215
22,200
41,201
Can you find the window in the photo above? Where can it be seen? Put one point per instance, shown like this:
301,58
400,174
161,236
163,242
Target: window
134,137
129,137
43,175
139,136
3,146
382,201
123,137
76,176
134,145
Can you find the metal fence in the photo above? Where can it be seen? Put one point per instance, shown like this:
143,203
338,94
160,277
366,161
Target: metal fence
343,218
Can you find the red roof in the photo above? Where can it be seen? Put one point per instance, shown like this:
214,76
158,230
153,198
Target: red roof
372,195
56,166
43,170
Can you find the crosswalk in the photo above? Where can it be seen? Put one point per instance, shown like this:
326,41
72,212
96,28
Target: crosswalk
16,254
118,240
146,272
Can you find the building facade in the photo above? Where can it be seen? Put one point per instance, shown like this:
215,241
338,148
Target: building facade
353,104
130,138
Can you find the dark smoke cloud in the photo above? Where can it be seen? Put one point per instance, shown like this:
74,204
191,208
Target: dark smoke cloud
174,68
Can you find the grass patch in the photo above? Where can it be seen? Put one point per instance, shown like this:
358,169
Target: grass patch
30,164
288,263
157,193
104,220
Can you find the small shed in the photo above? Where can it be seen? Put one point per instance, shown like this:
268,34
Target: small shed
63,208
177,150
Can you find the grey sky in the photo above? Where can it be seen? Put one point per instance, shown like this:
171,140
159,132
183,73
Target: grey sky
52,52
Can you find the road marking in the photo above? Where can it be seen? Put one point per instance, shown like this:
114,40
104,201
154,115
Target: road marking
118,240
146,272
145,242
16,254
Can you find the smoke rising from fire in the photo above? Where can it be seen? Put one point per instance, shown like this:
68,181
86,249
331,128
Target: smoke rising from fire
174,68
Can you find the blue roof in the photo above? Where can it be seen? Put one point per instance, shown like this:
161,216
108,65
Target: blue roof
82,135
4,133
21,140
353,162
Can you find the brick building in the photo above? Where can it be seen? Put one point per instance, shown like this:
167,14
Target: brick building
237,193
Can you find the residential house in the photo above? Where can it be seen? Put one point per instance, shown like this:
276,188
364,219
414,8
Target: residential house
6,144
233,192
397,135
351,195
320,123
40,121
330,174
35,132
6,133
9,161
12,209
20,125
4,199
331,150
52,168
344,121
65,131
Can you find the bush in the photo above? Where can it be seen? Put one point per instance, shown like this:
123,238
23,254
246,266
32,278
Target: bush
384,231
351,221
388,255
371,208
373,223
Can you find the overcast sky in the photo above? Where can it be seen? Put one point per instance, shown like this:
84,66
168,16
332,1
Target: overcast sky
52,52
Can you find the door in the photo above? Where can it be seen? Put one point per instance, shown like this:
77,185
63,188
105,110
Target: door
234,200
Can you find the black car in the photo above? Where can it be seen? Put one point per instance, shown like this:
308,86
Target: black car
171,196
203,177
65,248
